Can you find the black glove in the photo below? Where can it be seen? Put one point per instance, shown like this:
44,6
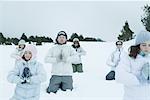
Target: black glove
26,75
61,56
110,75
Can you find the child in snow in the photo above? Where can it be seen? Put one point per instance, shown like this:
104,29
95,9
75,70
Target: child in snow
114,59
77,66
19,50
61,56
134,69
27,74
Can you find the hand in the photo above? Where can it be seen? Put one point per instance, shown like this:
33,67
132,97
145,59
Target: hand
64,59
59,58
22,81
25,80
145,72
148,81
116,64
26,73
144,76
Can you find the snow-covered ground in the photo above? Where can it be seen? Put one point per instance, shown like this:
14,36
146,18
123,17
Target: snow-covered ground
90,85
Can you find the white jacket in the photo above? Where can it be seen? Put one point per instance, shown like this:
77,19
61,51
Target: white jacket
80,51
115,57
61,68
128,73
27,91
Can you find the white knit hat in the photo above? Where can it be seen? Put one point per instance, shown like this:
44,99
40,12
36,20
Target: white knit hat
142,37
32,49
75,39
21,42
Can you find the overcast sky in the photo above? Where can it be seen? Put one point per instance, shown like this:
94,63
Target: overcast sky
101,19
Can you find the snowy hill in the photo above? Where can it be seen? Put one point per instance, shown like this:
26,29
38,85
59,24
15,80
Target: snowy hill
90,85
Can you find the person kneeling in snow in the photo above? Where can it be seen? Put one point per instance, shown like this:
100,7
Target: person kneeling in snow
17,54
133,70
77,66
27,74
114,59
61,56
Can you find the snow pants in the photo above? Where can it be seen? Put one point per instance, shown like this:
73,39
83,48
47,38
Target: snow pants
110,75
60,82
77,68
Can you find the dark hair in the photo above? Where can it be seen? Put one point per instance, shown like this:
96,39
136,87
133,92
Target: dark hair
134,51
76,46
23,46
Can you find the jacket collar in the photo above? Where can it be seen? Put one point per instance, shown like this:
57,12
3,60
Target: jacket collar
63,45
30,62
117,49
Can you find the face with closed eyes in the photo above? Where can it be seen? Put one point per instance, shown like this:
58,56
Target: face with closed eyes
61,39
119,45
28,55
76,43
145,47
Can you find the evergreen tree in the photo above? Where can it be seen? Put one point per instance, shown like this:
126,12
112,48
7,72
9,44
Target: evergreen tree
2,39
31,39
146,17
74,35
24,37
90,39
126,33
100,40
49,39
14,41
8,41
46,39
81,38
38,40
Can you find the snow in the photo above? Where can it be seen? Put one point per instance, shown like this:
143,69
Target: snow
90,85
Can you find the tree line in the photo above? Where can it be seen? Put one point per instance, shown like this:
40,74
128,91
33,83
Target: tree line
38,40
125,34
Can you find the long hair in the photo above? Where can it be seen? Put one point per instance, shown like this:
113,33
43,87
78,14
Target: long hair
78,46
134,51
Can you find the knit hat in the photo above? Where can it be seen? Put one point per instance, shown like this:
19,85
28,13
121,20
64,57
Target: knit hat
142,37
21,42
61,33
75,39
119,42
32,49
